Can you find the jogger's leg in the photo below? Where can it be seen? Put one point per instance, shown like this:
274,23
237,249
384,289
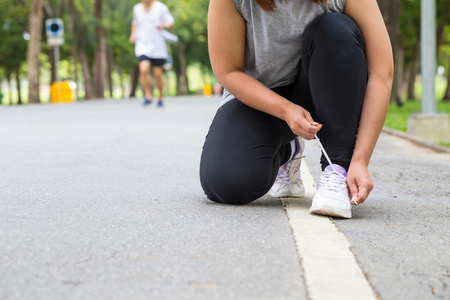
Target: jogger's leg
145,78
159,79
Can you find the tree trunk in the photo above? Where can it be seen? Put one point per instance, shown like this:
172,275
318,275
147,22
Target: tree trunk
182,82
447,91
399,57
88,88
110,71
8,80
75,70
100,54
34,48
19,94
391,10
122,82
73,29
411,92
134,81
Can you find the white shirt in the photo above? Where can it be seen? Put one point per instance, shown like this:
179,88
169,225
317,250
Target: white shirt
149,40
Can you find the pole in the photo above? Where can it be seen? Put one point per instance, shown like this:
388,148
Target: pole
428,55
58,86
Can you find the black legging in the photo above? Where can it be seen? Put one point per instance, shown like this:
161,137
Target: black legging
245,147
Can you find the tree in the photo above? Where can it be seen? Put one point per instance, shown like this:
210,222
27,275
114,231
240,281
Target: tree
100,53
391,10
117,26
96,41
443,39
191,28
34,48
84,40
410,35
14,21
445,53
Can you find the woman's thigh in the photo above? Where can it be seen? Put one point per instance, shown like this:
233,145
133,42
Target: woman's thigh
331,82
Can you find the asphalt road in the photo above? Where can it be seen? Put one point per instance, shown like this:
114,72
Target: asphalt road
101,200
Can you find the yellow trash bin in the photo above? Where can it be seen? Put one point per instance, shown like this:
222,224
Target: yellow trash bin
207,90
61,92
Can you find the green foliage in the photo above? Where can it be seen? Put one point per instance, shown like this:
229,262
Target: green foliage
191,18
13,26
443,19
118,28
410,27
190,26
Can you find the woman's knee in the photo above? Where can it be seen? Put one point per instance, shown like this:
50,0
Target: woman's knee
334,31
237,187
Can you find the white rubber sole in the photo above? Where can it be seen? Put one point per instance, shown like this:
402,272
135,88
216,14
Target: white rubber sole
330,211
288,191
327,209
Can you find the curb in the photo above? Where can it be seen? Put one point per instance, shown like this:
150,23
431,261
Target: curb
416,140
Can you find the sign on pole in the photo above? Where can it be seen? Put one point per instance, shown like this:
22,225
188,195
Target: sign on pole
55,38
55,32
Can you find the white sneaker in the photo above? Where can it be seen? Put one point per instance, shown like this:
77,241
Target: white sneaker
289,182
332,197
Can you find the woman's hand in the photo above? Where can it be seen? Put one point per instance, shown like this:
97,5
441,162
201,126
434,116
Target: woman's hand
301,122
359,182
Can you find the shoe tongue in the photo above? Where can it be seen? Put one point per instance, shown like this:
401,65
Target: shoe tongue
338,169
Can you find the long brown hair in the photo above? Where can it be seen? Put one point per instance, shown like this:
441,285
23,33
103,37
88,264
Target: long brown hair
269,5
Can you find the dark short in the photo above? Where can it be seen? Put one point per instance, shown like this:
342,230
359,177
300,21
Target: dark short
156,62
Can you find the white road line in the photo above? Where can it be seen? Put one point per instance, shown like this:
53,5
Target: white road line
331,270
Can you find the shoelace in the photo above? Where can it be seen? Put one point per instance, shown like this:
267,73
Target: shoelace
283,176
333,180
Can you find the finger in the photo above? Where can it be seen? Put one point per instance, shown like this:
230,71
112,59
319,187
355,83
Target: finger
313,127
353,189
362,195
306,135
308,117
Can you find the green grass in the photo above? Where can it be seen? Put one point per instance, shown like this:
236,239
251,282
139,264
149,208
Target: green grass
397,117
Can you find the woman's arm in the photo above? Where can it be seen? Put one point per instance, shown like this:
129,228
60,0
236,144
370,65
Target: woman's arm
380,70
226,42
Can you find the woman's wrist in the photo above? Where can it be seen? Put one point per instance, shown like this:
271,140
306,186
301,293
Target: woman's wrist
285,108
360,158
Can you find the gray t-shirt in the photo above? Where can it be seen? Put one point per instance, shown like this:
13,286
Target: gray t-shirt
274,40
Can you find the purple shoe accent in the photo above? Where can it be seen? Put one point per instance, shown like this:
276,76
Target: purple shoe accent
337,168
332,196
289,182
297,147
